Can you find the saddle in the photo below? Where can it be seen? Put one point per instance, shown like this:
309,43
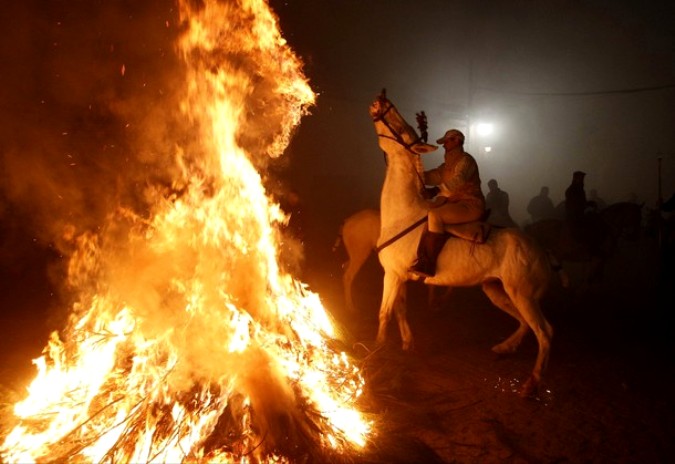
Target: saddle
474,231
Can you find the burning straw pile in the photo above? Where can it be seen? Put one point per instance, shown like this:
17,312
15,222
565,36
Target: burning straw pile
188,341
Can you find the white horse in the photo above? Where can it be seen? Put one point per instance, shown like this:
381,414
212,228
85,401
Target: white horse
358,235
513,270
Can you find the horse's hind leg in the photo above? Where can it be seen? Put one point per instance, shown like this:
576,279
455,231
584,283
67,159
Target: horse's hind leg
357,257
392,301
495,292
531,312
347,280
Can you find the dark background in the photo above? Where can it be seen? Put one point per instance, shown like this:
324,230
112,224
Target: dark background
569,85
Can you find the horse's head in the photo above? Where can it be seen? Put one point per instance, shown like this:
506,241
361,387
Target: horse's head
393,131
380,106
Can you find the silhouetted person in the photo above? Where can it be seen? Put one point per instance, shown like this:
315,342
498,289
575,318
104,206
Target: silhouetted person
575,199
664,226
581,224
541,206
497,201
668,206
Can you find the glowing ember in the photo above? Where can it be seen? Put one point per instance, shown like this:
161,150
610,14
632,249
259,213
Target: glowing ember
189,342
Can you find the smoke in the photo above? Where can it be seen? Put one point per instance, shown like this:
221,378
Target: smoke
87,114
118,145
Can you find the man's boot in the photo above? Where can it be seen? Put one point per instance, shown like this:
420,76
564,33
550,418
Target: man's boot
428,250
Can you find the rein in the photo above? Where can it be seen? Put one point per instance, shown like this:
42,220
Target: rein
405,231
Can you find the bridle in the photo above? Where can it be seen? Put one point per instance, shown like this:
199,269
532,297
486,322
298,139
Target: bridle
396,137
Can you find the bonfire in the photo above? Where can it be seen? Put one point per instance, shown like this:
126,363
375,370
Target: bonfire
189,340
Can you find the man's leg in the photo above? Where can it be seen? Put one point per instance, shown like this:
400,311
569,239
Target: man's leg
431,244
453,213
434,236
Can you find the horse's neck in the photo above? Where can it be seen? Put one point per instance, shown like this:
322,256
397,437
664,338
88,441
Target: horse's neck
400,202
419,167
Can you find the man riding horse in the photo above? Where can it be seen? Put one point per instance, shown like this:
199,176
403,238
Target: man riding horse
511,268
460,200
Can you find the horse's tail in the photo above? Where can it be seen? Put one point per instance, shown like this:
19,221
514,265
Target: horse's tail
557,267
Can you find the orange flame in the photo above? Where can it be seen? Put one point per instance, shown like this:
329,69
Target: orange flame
189,342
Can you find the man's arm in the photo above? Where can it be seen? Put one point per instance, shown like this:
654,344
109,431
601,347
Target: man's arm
433,176
462,173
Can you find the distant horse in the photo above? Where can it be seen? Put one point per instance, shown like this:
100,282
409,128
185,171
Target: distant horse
358,235
660,225
624,220
593,244
597,239
512,269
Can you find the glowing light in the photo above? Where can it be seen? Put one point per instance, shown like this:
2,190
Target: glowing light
484,129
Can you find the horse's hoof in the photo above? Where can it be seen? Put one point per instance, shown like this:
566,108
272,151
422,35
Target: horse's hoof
529,389
502,350
415,277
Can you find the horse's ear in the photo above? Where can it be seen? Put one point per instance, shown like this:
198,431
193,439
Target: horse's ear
421,148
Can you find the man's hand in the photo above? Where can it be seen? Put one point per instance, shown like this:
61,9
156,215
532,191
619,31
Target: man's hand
430,192
438,201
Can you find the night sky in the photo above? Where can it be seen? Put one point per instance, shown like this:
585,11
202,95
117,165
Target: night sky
569,85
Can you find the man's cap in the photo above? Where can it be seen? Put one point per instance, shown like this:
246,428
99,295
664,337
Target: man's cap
579,174
449,134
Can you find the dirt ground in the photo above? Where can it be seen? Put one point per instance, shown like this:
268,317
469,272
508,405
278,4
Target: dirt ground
607,395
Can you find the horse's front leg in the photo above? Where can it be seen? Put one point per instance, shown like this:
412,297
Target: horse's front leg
391,300
401,309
